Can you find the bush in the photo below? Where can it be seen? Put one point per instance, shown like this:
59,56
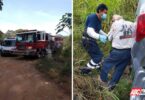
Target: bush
59,65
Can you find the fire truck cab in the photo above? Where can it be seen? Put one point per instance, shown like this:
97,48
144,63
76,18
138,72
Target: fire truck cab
7,47
33,43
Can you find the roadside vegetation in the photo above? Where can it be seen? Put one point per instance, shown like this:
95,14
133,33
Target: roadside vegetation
1,4
86,87
58,65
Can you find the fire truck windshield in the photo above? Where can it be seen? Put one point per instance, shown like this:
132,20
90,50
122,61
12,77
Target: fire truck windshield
25,37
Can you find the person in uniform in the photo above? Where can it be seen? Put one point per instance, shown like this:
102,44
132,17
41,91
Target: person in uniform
93,31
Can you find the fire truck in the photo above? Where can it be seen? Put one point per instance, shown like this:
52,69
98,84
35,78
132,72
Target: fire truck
56,43
33,43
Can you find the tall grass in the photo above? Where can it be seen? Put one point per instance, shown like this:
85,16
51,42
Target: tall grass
58,67
87,87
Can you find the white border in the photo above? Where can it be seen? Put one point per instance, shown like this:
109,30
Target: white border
72,54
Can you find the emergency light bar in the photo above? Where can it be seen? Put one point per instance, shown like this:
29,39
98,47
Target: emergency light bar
140,31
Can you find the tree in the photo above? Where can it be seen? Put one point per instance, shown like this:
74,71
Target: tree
65,21
1,4
1,34
10,34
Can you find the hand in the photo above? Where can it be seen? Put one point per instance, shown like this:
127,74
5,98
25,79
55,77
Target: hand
103,38
102,33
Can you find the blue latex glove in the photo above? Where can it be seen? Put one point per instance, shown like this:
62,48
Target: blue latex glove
103,38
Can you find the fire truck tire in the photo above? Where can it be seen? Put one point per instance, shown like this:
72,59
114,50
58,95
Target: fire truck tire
2,54
26,56
44,52
40,53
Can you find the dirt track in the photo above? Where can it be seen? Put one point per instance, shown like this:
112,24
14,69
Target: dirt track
19,80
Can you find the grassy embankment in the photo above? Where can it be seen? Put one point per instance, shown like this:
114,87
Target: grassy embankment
58,67
87,87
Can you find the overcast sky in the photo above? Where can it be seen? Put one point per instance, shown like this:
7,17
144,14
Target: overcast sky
33,14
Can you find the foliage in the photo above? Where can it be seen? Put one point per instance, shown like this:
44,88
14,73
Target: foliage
87,87
12,33
1,4
65,21
59,66
1,35
66,53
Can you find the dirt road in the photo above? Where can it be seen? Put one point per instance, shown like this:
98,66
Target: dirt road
19,80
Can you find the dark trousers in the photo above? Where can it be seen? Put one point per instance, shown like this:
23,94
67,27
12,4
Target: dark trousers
93,50
118,59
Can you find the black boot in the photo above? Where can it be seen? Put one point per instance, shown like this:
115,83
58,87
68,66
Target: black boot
111,86
85,70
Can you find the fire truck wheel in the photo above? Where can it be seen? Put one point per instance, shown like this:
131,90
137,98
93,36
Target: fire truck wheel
38,55
2,54
43,53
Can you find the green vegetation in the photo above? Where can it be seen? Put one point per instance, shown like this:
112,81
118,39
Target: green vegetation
87,87
11,33
65,21
1,4
1,35
58,67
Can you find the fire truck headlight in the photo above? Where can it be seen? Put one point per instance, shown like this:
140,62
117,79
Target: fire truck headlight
29,47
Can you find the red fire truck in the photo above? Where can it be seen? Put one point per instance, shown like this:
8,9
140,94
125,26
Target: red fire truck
56,43
33,43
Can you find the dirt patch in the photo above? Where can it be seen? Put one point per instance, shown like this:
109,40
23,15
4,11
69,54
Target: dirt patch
21,81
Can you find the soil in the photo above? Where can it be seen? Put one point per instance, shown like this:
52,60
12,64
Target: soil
19,80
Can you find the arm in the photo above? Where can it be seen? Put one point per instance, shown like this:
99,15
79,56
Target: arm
112,32
102,32
91,32
92,23
110,36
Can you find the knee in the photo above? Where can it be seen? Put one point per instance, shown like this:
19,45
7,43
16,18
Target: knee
106,67
97,59
101,55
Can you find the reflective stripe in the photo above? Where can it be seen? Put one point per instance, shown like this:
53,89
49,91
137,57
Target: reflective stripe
93,62
93,65
98,66
89,66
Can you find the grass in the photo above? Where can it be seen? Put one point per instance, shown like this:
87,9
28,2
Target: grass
54,67
87,87
58,67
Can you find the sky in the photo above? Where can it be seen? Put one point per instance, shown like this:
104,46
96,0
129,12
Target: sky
33,14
